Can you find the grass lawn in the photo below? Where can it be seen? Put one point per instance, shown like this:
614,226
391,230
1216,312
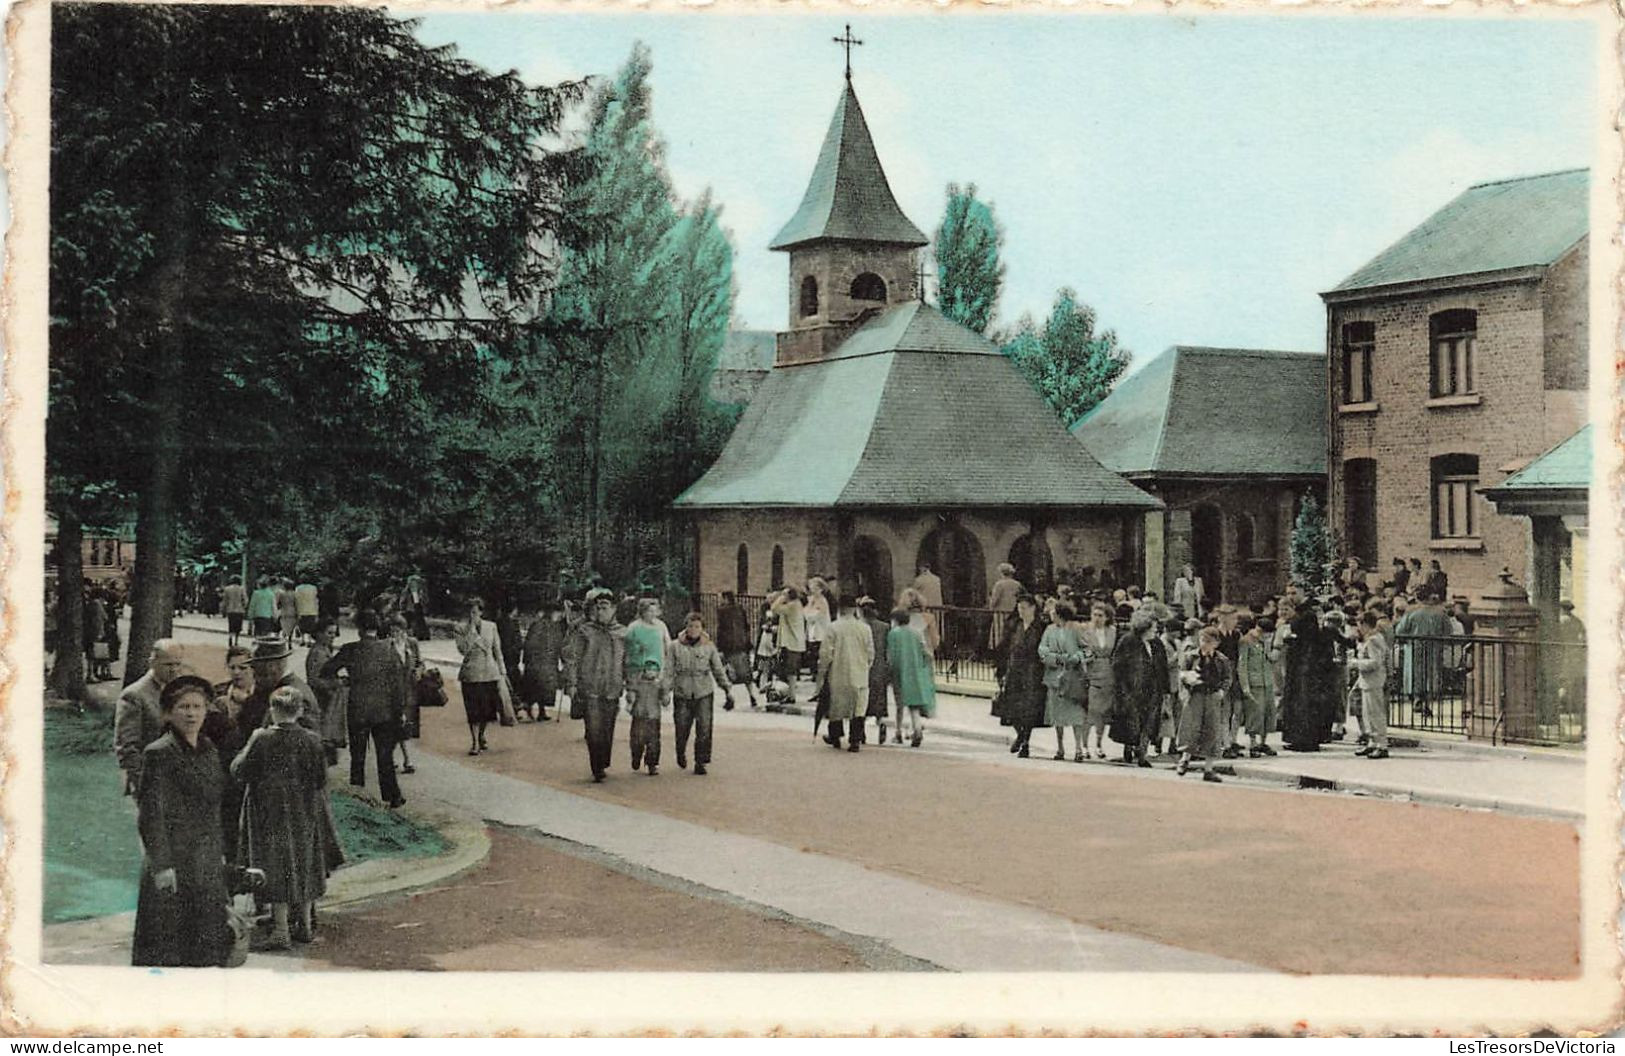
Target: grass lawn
92,850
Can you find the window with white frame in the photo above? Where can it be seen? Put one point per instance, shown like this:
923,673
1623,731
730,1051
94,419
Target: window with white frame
1453,336
1359,340
1455,481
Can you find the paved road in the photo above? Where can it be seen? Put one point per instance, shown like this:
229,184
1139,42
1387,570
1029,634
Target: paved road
962,856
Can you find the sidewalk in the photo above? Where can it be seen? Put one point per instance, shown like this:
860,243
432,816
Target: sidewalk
1542,782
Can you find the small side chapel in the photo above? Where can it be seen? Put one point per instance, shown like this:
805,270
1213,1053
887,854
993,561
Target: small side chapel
886,435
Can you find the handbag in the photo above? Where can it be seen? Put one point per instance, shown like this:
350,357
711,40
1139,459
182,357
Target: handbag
100,651
1074,684
578,706
505,692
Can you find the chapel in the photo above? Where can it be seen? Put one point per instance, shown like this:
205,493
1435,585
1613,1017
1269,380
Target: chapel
886,436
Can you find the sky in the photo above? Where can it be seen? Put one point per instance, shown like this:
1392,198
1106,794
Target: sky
1196,180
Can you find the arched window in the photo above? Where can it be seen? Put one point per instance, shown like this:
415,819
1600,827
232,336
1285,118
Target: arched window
777,580
1453,337
1455,479
869,287
742,570
809,296
1244,536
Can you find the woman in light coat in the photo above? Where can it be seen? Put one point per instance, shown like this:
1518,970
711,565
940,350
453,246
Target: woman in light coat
1099,637
1062,653
481,674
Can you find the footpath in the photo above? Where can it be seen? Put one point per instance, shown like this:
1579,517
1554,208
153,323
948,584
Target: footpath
1438,771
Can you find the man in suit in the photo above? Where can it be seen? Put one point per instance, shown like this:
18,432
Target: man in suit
136,722
377,680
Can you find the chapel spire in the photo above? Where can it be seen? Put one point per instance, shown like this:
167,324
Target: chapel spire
848,197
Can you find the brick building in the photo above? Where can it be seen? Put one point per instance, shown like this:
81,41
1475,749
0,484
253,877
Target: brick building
1554,493
885,434
1231,440
1455,357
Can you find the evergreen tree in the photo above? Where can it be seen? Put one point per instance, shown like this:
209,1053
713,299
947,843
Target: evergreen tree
283,274
637,323
1314,559
969,271
1072,365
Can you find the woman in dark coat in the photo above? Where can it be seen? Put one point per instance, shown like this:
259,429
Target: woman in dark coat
283,773
180,913
1302,715
1021,673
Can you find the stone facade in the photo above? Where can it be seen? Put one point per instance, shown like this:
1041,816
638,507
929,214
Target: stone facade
1236,533
964,547
1530,370
834,269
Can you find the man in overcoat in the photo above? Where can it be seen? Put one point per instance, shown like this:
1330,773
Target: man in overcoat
843,666
136,721
594,675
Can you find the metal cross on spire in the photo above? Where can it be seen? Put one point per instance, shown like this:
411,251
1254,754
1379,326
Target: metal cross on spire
847,42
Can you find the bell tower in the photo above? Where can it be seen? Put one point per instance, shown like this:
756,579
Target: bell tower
852,251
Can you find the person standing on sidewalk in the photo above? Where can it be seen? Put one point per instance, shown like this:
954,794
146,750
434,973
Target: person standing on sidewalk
262,609
1065,679
792,637
331,692
307,605
1100,641
843,668
234,605
377,698
1370,664
912,677
406,649
594,675
481,674
879,669
1139,680
696,672
733,642
137,720
1255,676
1207,674
544,642
648,687
287,611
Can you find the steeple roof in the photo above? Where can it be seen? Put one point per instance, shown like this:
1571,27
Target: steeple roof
848,196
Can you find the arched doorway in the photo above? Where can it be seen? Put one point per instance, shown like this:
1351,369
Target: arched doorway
871,562
1035,565
955,555
1207,541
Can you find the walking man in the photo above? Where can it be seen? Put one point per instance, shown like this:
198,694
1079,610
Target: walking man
376,701
696,672
843,666
234,604
594,675
1140,680
1207,674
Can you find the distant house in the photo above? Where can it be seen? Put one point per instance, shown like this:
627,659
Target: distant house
742,366
108,553
1230,439
1457,355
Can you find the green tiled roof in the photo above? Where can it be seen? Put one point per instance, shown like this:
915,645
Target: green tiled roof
918,416
848,196
1527,222
1196,411
1566,466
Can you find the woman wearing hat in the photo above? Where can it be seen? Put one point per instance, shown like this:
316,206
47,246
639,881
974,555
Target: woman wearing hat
180,914
1021,673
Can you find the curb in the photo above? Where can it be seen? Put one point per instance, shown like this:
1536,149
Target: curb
470,846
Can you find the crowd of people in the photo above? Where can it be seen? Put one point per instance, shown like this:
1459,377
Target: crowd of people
229,777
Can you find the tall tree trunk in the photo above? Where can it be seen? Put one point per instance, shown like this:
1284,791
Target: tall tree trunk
595,468
152,592
68,670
